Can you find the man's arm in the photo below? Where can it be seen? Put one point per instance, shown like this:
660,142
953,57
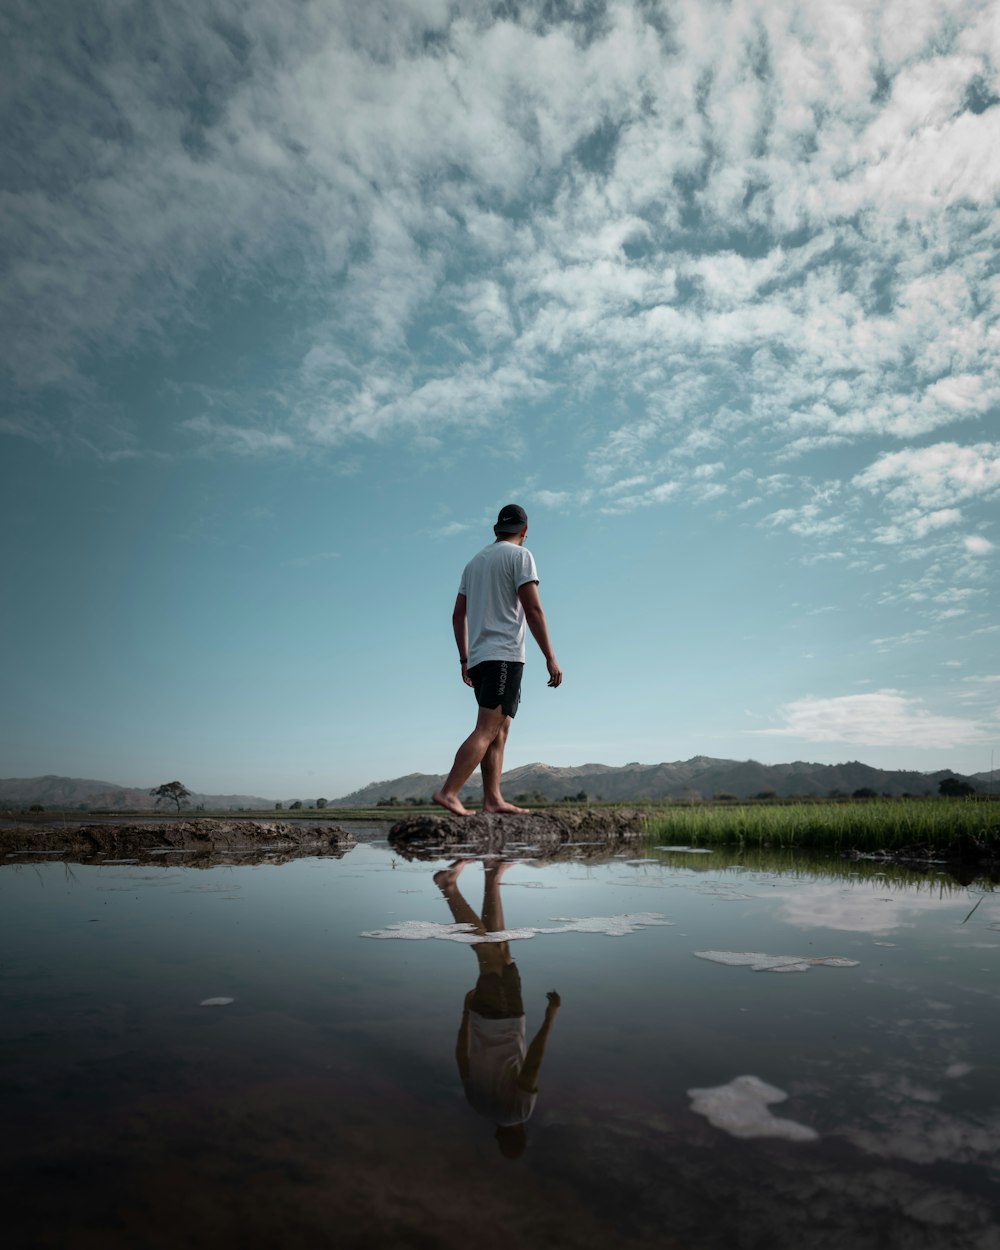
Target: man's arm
459,625
533,614
528,1076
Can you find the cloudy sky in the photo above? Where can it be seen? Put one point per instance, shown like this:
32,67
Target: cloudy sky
297,293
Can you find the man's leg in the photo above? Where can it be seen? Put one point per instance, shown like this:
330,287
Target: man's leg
493,800
469,755
491,956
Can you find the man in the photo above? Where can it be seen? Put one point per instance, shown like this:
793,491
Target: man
498,1069
497,596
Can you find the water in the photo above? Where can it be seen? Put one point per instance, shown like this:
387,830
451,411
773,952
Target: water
219,1057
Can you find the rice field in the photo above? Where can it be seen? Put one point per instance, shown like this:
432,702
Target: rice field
869,825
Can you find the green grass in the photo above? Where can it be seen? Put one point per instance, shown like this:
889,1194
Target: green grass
869,825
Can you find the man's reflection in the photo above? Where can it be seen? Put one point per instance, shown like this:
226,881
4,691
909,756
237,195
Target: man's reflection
500,1076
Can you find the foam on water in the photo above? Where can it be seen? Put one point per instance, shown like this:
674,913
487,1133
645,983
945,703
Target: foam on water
741,1109
216,1002
759,962
689,850
609,926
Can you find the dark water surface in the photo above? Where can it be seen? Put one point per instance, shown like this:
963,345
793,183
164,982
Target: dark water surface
323,1105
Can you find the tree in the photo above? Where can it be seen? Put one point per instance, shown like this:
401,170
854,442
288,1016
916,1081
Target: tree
321,803
172,790
296,806
952,788
279,807
865,792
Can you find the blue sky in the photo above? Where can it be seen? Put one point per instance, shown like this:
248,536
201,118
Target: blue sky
297,295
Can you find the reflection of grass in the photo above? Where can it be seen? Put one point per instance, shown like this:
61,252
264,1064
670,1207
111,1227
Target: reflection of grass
872,825
808,865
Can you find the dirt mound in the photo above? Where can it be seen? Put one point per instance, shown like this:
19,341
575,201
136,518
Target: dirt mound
424,836
204,842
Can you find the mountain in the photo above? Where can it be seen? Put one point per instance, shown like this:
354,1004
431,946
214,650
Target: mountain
699,777
78,792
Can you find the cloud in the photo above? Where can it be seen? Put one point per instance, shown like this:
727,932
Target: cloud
882,718
467,214
935,477
976,545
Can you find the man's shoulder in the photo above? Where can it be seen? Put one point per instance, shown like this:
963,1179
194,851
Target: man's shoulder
482,554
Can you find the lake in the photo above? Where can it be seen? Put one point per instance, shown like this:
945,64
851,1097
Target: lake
759,1053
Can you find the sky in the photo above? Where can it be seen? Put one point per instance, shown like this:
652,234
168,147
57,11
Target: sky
298,293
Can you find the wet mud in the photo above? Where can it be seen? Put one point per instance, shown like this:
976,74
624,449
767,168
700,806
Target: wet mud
193,843
544,835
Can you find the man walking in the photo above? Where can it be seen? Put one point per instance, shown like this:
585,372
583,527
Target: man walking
497,596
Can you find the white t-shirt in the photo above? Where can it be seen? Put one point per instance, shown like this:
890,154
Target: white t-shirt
495,617
496,1056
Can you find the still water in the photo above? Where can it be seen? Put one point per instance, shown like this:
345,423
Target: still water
282,1055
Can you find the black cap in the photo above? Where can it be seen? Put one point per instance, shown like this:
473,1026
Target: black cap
512,520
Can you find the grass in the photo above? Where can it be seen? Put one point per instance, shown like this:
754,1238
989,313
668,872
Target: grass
869,825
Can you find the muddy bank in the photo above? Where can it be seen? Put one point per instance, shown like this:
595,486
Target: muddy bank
198,843
547,833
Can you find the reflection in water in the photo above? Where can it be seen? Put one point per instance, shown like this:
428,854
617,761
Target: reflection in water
500,1076
139,1112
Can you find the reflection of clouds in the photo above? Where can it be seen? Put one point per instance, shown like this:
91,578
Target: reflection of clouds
787,1198
906,1121
854,910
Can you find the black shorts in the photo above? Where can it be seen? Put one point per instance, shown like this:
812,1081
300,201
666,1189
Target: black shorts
497,683
497,995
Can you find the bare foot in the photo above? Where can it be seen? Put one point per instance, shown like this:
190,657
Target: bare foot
450,803
503,808
448,876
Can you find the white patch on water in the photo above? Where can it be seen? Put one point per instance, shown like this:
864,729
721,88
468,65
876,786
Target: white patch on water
610,926
741,1109
688,850
759,962
216,1002
955,1070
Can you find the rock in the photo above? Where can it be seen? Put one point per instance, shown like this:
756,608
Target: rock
427,837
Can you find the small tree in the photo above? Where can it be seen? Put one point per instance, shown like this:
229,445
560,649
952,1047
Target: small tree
296,806
172,790
321,803
279,807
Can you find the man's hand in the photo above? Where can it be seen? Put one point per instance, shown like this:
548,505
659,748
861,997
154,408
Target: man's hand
465,674
555,673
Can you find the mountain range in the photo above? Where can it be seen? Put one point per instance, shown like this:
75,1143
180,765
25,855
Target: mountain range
699,777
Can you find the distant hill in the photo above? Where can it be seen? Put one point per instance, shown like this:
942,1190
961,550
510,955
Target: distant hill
699,777
78,792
